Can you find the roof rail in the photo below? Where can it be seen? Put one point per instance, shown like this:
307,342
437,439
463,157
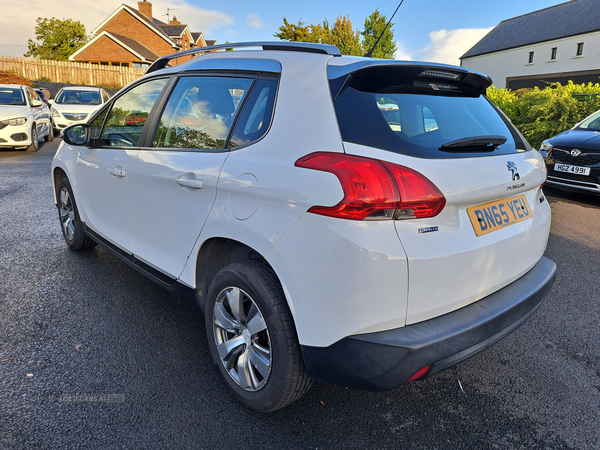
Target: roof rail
307,47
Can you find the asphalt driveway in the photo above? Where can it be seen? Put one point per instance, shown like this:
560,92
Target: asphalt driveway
93,355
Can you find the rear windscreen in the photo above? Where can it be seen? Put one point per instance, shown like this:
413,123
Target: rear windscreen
417,116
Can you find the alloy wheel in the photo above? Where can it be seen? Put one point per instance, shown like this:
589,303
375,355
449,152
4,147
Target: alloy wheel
242,339
67,214
34,138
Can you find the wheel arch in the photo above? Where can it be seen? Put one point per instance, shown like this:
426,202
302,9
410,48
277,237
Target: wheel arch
57,174
216,253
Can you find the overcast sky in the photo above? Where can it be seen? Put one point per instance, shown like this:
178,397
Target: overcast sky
429,30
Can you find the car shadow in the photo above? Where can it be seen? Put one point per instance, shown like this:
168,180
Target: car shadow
583,199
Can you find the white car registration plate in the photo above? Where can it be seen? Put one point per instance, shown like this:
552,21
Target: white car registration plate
572,169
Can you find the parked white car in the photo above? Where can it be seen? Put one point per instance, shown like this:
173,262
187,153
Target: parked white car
24,118
322,235
74,104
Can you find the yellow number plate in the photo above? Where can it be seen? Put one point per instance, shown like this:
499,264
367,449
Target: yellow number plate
499,214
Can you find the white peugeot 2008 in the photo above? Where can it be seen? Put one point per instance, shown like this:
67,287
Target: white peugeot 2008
359,221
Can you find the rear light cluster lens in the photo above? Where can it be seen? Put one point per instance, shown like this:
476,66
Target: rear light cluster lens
420,374
374,189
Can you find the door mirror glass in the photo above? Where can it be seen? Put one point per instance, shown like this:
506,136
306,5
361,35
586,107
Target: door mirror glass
76,134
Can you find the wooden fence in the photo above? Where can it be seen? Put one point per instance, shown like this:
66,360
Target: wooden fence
70,72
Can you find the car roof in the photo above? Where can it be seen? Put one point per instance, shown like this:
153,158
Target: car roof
338,65
12,86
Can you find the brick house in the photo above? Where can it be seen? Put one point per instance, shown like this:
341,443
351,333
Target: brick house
134,38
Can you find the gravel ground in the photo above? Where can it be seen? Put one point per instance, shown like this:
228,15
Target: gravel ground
74,324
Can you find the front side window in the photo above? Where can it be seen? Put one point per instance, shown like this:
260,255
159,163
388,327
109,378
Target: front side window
96,125
129,113
30,96
420,117
200,112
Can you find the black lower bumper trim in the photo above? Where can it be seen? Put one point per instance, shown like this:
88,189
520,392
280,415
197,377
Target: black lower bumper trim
385,360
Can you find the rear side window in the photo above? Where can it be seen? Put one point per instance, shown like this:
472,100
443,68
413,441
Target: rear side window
416,116
256,116
200,112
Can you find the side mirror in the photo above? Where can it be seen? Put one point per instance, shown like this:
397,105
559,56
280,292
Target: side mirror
51,101
36,103
76,134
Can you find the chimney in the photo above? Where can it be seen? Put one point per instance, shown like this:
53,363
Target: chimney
174,21
146,9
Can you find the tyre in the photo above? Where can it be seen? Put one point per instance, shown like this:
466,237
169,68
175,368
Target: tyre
72,228
50,136
35,140
252,337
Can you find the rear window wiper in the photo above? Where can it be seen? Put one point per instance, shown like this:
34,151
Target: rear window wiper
475,143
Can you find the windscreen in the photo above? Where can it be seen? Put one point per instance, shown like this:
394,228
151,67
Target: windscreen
421,117
592,123
12,96
74,97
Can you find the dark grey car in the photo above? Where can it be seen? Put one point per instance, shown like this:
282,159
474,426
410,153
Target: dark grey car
573,157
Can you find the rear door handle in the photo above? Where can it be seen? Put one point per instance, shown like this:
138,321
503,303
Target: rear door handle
117,172
186,180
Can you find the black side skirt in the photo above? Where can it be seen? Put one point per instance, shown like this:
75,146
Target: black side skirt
171,284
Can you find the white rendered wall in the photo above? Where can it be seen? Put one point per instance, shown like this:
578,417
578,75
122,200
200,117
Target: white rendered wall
515,62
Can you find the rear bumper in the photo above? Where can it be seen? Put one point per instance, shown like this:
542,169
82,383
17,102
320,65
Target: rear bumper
385,360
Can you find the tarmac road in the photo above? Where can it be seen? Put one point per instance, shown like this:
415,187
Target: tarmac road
73,324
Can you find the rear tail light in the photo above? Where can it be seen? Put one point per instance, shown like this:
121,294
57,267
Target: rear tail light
374,189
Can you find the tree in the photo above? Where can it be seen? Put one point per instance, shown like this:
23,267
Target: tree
56,39
341,34
300,32
374,26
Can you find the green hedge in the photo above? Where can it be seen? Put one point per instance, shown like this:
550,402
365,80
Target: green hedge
542,113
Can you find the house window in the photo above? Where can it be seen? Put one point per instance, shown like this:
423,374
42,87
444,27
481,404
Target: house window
530,57
553,54
579,49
